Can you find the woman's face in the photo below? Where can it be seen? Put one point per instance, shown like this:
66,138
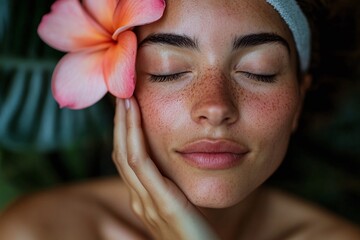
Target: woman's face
219,95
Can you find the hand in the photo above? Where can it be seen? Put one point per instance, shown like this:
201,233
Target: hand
157,201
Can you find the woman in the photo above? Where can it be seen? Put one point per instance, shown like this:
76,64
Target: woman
220,87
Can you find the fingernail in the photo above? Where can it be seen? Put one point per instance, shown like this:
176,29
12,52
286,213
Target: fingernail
127,104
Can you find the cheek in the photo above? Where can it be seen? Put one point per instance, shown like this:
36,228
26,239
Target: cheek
272,110
160,116
270,118
269,126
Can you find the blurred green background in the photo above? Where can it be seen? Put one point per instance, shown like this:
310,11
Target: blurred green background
42,146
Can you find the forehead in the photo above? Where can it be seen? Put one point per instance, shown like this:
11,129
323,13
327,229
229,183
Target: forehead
219,17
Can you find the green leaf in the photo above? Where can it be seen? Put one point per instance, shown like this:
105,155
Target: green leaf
4,17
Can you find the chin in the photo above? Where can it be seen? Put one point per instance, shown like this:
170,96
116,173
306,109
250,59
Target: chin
216,194
213,203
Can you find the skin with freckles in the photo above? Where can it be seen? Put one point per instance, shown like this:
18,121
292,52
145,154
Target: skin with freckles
215,99
210,121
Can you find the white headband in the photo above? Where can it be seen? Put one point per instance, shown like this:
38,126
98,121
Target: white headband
292,14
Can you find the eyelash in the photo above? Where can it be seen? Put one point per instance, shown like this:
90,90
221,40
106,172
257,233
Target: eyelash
171,77
260,77
166,78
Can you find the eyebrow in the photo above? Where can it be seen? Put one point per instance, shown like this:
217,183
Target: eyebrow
259,39
171,39
184,41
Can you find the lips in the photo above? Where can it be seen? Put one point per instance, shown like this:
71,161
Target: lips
213,155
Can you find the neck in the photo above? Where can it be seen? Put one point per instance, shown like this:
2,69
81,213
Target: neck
231,222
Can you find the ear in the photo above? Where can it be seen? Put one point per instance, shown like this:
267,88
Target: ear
304,87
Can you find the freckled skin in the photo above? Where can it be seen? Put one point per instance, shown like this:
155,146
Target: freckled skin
214,102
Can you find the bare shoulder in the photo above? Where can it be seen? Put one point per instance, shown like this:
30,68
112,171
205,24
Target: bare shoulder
304,220
92,210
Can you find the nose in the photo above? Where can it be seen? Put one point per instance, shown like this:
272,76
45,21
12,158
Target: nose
215,104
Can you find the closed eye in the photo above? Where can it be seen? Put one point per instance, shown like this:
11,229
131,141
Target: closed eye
267,78
166,77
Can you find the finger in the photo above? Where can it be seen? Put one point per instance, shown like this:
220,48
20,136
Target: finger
120,157
138,158
120,148
120,129
119,151
136,203
145,209
141,202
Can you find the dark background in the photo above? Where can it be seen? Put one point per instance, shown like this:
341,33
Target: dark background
42,146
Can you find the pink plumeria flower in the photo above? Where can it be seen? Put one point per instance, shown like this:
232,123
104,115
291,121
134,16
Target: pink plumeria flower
100,44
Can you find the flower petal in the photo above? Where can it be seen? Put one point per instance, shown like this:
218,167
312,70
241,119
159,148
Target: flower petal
119,66
69,28
78,79
102,11
131,13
